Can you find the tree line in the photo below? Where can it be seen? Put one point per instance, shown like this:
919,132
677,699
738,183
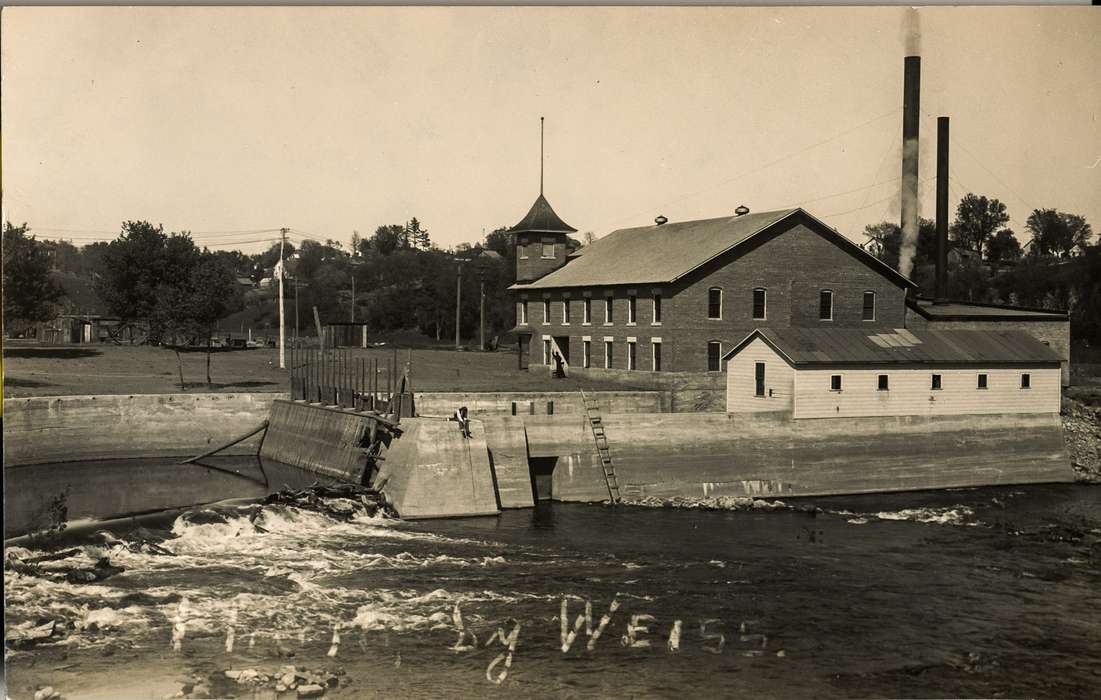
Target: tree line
180,294
1058,268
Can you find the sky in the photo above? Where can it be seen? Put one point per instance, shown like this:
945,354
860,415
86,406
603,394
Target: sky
233,122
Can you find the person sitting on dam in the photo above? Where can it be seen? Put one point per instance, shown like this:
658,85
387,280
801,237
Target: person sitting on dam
463,420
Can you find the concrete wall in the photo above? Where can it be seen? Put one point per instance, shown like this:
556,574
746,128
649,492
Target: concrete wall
1056,334
684,391
910,392
482,403
432,471
77,428
766,454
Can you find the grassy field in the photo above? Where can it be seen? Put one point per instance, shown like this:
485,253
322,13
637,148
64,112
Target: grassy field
35,370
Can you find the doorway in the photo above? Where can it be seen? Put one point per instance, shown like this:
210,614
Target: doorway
542,477
524,350
563,347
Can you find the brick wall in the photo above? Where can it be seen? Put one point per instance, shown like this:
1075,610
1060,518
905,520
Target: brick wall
793,263
535,265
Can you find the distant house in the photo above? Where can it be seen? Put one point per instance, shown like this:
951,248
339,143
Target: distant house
847,373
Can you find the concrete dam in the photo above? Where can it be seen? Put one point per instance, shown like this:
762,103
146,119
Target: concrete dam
529,446
575,449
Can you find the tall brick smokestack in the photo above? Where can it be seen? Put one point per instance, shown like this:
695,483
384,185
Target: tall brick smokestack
941,293
911,120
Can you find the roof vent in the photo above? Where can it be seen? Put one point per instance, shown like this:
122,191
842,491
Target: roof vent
659,220
741,211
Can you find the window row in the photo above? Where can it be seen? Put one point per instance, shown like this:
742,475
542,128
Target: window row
936,381
760,304
566,316
547,251
609,358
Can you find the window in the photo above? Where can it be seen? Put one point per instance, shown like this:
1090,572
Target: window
982,382
835,382
935,386
546,311
825,305
868,314
632,358
1026,381
608,310
714,303
608,354
565,312
587,312
884,382
632,309
657,310
657,355
759,376
546,351
548,251
522,251
714,353
523,313
586,354
759,304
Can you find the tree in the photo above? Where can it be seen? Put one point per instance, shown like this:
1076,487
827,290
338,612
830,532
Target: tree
29,293
884,241
1003,248
387,238
417,236
131,269
501,241
211,295
1057,233
977,219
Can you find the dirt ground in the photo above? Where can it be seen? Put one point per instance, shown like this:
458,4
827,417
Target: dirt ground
36,370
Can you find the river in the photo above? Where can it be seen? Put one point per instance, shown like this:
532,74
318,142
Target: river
966,593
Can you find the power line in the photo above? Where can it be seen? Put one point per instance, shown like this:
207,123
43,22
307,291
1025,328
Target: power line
767,165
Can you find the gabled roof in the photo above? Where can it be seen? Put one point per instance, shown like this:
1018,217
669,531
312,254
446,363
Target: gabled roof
971,311
666,253
831,347
542,219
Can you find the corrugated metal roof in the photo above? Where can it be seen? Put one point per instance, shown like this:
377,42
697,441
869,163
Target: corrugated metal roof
844,346
663,254
964,311
542,219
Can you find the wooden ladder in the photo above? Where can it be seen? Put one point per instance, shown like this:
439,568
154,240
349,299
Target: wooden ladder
592,414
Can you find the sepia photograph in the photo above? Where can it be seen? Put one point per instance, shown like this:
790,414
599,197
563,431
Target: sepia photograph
551,352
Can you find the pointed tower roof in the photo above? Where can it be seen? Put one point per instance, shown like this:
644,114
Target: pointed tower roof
542,219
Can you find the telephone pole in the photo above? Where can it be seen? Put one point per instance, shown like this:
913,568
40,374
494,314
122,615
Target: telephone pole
458,300
482,311
282,324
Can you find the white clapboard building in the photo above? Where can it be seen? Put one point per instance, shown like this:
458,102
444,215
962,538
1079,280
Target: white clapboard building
847,373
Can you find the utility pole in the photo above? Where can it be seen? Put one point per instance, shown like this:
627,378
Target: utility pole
353,319
282,323
296,307
482,311
458,300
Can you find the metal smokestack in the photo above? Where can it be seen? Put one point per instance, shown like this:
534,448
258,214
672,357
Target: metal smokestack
942,210
911,120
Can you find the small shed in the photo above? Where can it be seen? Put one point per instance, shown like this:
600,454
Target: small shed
349,334
848,373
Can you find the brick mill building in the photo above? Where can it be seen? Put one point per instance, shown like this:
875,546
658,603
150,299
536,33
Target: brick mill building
675,297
